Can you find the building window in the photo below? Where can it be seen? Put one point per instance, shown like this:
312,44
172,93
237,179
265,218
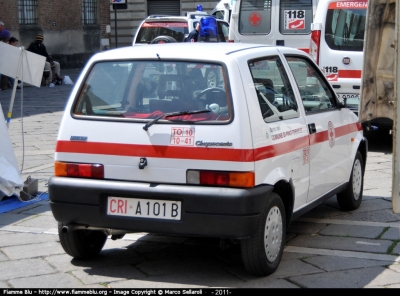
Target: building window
171,7
89,12
27,12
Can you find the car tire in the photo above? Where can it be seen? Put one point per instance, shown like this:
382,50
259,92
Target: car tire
163,39
262,253
81,244
350,199
212,78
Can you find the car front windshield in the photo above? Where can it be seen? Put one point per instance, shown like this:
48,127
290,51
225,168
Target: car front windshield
148,89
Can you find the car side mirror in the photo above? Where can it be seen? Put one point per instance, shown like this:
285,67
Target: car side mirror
344,104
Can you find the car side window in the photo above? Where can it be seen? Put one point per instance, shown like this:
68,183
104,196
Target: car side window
273,88
223,31
315,92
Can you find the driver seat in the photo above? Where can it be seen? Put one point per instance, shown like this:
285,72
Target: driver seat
177,90
172,86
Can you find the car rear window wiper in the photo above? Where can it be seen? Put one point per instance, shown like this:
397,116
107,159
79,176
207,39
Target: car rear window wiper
165,115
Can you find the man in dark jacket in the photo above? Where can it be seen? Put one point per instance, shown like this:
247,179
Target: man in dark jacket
194,34
51,71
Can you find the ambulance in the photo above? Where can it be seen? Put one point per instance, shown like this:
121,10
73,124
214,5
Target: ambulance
273,22
145,145
337,42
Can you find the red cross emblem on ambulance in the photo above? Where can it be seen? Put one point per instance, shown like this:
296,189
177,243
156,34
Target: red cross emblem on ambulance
255,19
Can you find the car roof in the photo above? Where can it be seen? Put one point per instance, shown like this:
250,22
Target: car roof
173,18
216,51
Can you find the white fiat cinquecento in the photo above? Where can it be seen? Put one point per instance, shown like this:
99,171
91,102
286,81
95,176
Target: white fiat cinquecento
146,146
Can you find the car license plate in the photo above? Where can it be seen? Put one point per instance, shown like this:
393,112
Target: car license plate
144,208
348,96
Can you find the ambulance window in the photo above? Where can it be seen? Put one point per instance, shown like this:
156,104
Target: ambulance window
313,87
344,29
255,17
219,14
295,16
273,89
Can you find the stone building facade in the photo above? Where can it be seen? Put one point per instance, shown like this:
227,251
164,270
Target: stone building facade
126,21
74,30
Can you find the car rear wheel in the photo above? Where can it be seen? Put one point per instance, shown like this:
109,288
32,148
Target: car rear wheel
351,198
81,244
262,252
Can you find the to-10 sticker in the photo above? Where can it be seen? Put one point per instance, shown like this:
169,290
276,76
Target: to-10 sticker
182,136
295,19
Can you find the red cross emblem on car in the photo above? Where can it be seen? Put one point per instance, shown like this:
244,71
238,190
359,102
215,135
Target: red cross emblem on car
255,19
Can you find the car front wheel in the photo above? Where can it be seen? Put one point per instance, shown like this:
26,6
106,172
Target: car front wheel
262,252
81,244
350,199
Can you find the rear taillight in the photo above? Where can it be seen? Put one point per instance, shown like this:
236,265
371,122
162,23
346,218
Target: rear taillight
79,170
315,41
220,178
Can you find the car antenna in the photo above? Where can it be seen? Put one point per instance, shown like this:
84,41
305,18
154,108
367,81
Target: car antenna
158,56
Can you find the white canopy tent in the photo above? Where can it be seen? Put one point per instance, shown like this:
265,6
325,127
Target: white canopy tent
10,179
27,67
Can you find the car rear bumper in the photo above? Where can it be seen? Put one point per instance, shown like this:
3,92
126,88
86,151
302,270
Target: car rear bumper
205,211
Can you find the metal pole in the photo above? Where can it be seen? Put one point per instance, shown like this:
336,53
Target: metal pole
396,122
9,114
115,19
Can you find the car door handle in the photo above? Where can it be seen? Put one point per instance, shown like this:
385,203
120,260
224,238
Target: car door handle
312,128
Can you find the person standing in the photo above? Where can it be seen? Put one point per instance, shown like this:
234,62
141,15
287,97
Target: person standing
194,34
4,37
4,34
13,41
51,67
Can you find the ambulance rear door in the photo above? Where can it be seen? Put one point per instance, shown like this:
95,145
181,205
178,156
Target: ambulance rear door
342,25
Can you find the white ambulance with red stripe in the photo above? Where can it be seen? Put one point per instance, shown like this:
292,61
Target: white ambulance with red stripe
146,146
274,22
337,41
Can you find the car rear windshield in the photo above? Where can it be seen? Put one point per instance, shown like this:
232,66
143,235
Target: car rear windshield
151,30
345,25
148,89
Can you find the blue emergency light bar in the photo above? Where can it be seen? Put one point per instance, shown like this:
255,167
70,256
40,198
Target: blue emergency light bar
199,7
208,31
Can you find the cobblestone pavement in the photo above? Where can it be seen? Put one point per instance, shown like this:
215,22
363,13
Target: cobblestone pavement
326,248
